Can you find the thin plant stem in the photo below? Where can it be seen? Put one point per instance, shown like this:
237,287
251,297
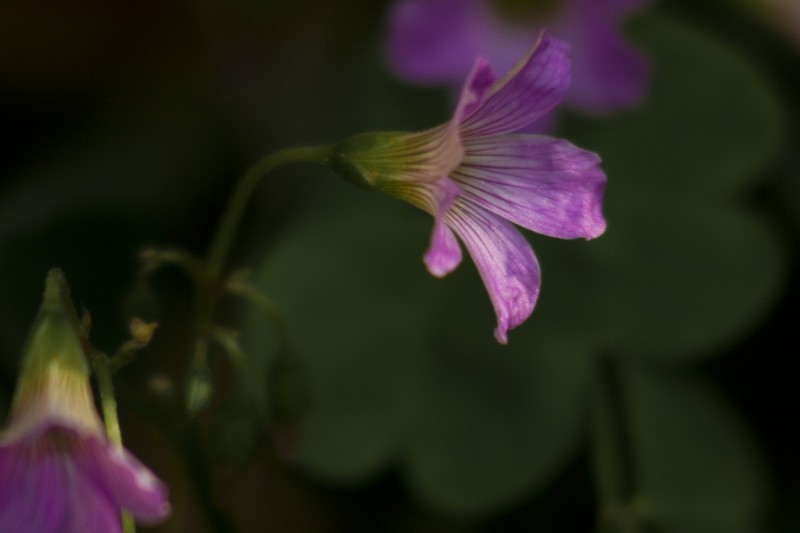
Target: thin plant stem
223,239
615,475
237,204
617,478
102,367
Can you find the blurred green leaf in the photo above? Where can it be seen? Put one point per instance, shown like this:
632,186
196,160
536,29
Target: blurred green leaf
707,126
354,315
494,423
686,265
684,282
404,366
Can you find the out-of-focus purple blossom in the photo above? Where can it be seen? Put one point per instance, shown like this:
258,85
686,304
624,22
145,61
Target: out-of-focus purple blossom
478,178
785,15
58,472
435,42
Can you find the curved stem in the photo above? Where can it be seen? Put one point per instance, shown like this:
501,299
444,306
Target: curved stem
222,243
232,216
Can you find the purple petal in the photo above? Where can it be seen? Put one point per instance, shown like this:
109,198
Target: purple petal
132,485
44,488
62,482
529,90
31,492
90,506
436,41
444,253
473,93
546,185
505,261
607,73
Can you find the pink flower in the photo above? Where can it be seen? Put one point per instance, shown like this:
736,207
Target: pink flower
477,177
58,473
435,41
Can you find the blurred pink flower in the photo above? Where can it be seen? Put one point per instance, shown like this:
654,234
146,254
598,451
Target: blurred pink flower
785,14
435,42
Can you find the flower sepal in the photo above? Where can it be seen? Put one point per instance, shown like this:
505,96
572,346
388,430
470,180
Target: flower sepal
367,159
385,160
54,373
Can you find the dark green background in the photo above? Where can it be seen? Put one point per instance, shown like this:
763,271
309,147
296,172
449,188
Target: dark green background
394,409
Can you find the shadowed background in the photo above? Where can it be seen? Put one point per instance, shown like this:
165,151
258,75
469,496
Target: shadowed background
653,384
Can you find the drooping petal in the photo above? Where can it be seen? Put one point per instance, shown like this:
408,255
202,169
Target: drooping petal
89,505
436,41
505,261
533,87
608,74
546,185
131,484
444,253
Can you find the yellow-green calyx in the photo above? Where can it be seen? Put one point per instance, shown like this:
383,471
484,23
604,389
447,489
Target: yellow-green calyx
384,160
369,159
53,382
56,333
